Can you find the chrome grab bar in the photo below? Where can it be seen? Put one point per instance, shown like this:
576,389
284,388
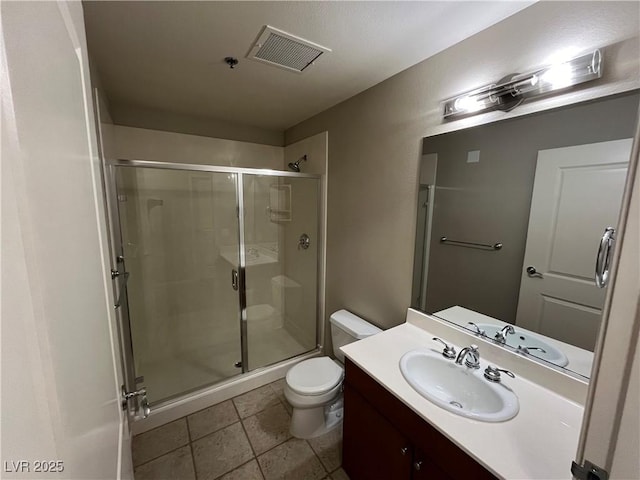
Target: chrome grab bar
603,258
460,243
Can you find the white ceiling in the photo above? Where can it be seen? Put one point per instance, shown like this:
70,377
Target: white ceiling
169,55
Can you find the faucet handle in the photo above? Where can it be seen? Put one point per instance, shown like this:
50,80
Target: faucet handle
448,352
493,373
526,350
478,330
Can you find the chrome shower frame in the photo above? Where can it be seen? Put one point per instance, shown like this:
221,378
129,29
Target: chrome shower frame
131,383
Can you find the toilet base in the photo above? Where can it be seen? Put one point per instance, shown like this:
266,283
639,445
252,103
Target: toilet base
309,423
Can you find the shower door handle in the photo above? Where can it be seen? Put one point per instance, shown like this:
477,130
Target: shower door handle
234,279
124,277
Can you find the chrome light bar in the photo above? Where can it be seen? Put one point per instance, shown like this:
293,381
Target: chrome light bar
509,93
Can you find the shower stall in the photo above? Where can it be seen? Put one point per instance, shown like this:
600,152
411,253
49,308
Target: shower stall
217,272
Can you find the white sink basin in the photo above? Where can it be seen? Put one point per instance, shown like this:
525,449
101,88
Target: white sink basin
456,388
528,339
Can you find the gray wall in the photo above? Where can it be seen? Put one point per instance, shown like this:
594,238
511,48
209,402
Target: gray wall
153,119
489,201
375,139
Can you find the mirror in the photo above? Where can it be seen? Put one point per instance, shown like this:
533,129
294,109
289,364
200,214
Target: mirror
510,218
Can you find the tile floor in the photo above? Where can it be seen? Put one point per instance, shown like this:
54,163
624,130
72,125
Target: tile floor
245,438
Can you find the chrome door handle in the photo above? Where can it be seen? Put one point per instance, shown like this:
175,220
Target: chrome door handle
124,278
603,258
532,272
234,279
417,465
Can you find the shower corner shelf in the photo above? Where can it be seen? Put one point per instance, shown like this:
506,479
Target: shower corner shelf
280,203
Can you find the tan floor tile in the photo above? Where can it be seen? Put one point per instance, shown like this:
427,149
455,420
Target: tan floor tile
293,460
159,441
248,471
268,428
221,452
328,447
278,388
255,401
339,474
212,419
177,465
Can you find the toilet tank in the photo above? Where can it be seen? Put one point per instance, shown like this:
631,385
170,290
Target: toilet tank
346,328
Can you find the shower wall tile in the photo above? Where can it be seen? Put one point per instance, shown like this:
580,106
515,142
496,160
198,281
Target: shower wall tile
161,146
159,441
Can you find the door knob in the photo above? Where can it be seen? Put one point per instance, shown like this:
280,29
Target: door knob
417,465
532,272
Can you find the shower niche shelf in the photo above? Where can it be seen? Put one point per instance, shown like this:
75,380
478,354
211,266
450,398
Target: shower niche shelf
280,203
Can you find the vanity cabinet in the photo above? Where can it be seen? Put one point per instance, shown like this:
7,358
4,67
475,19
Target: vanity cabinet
385,439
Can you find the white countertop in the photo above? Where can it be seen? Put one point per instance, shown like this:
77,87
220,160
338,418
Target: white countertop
538,443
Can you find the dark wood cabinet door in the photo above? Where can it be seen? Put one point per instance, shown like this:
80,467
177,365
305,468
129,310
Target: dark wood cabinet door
424,469
377,429
372,448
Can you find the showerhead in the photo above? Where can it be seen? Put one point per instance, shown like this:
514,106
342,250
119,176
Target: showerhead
296,166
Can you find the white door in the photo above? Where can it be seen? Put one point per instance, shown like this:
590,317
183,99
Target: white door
60,375
576,194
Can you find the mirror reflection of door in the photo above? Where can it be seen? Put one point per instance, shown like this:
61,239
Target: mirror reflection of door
576,194
484,188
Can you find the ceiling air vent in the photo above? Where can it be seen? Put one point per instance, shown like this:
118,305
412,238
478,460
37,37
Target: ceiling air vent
281,49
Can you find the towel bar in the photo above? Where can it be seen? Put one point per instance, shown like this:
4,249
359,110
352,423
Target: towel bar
482,246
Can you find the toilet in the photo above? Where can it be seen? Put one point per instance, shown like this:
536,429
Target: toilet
314,387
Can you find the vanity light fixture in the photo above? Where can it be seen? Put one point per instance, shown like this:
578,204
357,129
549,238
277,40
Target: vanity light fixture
512,90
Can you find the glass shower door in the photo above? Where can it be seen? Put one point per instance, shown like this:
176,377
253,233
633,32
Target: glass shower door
281,240
180,239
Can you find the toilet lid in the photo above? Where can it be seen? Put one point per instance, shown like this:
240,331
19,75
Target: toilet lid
314,376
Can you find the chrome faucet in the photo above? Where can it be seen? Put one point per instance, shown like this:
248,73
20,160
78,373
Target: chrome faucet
477,329
470,355
501,336
527,350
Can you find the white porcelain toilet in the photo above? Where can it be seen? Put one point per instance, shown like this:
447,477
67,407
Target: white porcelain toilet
314,387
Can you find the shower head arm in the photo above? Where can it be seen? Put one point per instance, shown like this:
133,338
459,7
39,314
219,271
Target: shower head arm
296,166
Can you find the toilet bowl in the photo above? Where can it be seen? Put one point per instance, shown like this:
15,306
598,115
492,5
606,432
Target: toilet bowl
314,387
